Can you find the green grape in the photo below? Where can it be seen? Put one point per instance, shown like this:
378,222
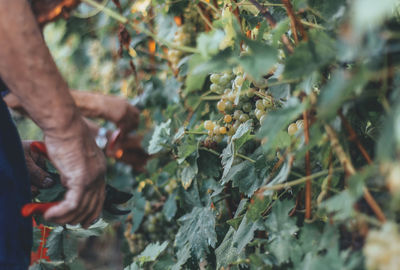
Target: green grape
227,118
258,113
236,125
262,118
250,92
239,80
260,104
247,107
292,129
243,118
222,130
300,124
216,130
215,88
231,96
215,78
237,114
267,101
228,106
225,79
221,105
209,125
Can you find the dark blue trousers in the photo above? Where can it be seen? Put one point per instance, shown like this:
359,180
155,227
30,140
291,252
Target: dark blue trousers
15,231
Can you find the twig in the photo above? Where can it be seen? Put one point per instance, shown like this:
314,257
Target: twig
294,22
272,22
245,157
354,138
299,181
205,18
308,166
349,169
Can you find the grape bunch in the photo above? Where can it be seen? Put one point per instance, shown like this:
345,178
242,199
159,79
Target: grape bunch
237,105
155,227
181,38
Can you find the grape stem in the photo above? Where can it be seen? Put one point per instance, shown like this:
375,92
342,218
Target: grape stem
139,28
196,132
300,180
245,157
210,150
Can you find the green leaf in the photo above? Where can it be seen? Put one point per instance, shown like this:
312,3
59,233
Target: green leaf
151,252
242,134
340,88
170,207
190,171
228,251
341,205
161,136
183,255
188,146
198,231
208,43
137,205
259,60
277,121
281,229
62,245
257,207
327,8
310,56
133,266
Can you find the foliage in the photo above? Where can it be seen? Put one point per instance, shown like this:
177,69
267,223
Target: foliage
244,104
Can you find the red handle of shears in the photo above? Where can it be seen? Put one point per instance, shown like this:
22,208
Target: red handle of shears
30,209
40,148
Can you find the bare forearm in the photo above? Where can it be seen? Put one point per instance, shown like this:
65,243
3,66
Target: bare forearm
29,70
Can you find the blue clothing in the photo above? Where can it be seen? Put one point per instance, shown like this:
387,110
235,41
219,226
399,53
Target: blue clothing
15,231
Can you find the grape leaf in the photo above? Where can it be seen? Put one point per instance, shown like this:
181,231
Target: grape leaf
161,136
281,229
198,231
151,252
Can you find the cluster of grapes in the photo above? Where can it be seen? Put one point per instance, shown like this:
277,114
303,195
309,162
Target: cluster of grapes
180,39
251,104
382,248
294,127
154,228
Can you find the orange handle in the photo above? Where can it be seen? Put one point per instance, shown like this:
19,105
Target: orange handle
39,147
36,208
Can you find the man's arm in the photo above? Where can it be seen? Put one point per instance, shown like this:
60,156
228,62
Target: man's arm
29,70
95,105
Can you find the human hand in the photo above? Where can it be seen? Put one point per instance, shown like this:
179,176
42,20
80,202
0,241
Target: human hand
81,165
36,165
129,150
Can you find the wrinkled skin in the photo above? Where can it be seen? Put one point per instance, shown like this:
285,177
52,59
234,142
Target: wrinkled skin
28,69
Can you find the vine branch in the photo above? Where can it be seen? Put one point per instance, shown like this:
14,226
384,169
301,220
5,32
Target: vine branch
349,169
272,22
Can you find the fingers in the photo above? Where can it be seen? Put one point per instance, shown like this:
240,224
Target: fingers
78,207
39,177
65,212
36,167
